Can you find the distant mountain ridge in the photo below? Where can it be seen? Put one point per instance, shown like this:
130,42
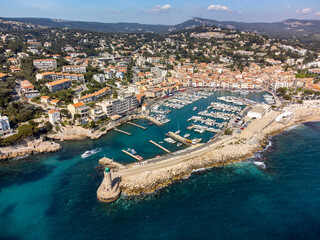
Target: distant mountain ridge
289,27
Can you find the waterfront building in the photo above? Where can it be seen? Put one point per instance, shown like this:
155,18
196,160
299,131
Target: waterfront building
78,108
45,63
257,112
58,85
96,113
122,104
4,125
54,116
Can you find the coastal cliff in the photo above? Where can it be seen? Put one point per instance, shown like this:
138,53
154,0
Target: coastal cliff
76,133
28,147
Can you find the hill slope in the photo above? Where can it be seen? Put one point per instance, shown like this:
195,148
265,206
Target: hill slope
286,28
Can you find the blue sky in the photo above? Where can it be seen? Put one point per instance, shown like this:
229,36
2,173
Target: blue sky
162,11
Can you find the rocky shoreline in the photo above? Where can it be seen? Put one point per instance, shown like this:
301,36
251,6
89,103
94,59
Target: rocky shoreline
28,147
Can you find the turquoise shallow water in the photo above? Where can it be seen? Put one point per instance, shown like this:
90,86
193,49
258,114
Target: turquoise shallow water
53,196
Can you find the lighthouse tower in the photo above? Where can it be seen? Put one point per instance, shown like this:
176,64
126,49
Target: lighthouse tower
108,191
108,180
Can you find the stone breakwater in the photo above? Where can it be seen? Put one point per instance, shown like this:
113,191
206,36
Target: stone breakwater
150,180
240,146
28,147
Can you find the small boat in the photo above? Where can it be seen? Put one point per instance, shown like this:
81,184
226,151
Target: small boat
195,108
179,144
87,154
150,123
186,135
161,142
177,132
132,151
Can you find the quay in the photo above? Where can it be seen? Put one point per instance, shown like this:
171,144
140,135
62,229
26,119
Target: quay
131,155
118,130
136,125
155,121
178,138
159,146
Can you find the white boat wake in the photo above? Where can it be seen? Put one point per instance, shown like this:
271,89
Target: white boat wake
90,153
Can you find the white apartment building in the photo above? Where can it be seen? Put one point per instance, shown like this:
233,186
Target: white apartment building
120,105
280,84
54,116
45,63
99,77
4,125
60,75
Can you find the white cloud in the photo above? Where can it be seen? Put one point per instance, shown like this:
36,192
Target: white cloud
160,8
240,12
317,13
218,8
304,11
111,11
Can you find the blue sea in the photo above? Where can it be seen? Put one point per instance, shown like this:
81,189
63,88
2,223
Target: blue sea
53,196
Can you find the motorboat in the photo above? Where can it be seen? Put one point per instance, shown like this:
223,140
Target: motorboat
87,154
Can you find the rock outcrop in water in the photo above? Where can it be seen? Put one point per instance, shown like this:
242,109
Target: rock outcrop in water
28,147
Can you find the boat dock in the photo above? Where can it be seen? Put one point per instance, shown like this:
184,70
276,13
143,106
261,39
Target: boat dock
159,146
136,125
179,138
155,121
118,130
131,155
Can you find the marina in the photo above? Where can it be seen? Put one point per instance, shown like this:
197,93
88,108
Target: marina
185,122
201,116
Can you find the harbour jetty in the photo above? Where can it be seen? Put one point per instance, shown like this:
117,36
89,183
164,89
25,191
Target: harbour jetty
121,131
136,125
159,146
178,138
131,155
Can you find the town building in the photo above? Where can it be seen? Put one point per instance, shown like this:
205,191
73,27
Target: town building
45,63
99,77
121,105
3,76
74,68
54,116
60,75
4,126
58,85
93,97
27,89
257,112
78,108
